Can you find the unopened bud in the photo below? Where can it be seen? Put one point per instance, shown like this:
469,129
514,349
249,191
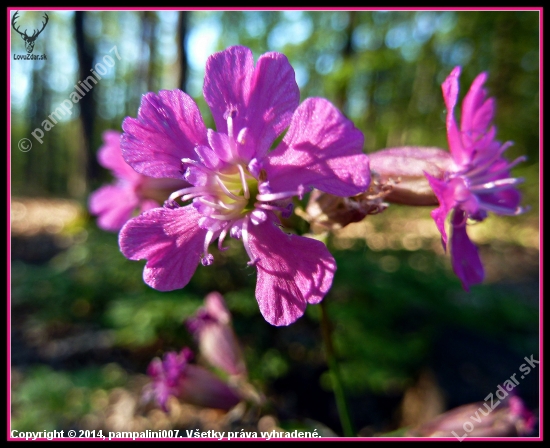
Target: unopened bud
174,376
218,344
507,418
404,168
325,211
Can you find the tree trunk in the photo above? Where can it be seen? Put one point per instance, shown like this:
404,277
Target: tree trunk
85,50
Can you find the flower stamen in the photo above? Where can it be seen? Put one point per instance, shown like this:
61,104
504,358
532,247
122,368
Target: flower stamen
208,258
497,185
505,169
268,197
226,190
244,233
244,183
221,238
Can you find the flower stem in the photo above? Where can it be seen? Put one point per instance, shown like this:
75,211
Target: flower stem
337,387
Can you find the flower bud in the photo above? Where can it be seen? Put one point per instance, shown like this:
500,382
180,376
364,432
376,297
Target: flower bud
174,376
404,169
325,211
211,327
508,418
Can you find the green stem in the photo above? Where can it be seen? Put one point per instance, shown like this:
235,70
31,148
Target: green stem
338,389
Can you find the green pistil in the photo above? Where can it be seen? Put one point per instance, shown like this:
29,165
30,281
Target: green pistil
253,190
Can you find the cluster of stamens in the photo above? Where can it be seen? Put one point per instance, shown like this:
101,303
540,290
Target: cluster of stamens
475,180
231,196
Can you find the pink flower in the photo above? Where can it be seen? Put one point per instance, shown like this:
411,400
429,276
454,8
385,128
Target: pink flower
211,327
478,180
174,376
239,185
115,204
511,418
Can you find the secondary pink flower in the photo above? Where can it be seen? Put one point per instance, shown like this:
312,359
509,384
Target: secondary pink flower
511,418
211,327
174,376
478,180
115,204
240,185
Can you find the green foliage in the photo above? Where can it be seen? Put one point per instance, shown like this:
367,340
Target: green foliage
386,321
141,321
47,400
387,307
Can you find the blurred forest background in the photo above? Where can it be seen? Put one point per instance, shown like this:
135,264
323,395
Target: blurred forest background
411,343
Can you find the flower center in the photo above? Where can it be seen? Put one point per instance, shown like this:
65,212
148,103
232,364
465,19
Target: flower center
225,195
230,197
233,194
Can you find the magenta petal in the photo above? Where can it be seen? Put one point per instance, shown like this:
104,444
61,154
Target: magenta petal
460,154
450,95
464,254
174,376
260,99
227,84
472,103
482,117
273,99
110,156
208,157
439,215
292,272
114,205
170,240
220,144
211,326
202,388
446,204
167,375
476,131
168,128
220,347
195,176
450,88
214,304
322,149
506,202
486,148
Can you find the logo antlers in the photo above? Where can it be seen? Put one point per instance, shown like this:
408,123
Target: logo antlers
29,40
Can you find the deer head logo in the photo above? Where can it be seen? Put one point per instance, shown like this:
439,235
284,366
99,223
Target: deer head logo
29,40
